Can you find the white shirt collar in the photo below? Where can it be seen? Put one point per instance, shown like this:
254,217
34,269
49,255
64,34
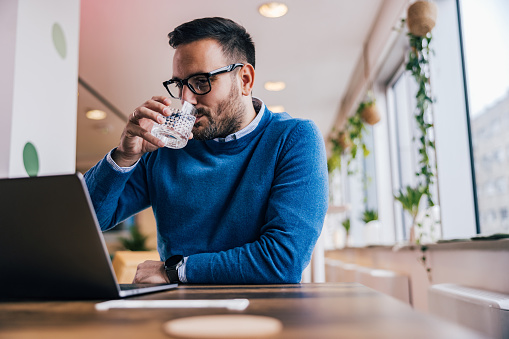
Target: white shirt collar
259,106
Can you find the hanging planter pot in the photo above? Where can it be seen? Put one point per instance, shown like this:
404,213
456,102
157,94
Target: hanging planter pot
369,113
340,145
421,17
344,140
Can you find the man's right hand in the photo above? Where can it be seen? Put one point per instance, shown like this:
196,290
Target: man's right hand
136,138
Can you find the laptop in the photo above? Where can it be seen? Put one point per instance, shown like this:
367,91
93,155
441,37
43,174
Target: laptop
51,246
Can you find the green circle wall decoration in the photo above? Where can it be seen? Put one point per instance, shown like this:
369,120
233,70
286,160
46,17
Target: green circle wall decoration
59,40
30,159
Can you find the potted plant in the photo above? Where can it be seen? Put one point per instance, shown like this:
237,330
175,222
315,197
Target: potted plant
369,215
371,231
421,17
369,112
136,242
410,201
346,225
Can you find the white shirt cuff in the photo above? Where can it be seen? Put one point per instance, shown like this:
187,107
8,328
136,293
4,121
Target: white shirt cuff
182,271
116,167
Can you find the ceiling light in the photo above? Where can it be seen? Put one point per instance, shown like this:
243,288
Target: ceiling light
275,86
96,114
276,108
273,9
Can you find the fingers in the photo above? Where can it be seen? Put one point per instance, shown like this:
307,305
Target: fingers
151,109
135,130
154,110
163,103
162,99
143,112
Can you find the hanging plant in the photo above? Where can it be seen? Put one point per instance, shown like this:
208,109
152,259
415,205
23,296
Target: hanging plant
369,112
349,142
421,17
355,133
339,146
334,162
418,65
425,263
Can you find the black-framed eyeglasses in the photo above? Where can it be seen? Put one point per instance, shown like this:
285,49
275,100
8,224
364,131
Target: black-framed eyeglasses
198,83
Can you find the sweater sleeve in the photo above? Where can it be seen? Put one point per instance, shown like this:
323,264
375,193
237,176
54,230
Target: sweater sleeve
116,195
294,219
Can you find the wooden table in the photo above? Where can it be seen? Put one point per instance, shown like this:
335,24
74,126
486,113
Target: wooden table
316,311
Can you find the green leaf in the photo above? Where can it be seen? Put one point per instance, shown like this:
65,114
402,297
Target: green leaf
369,215
410,199
346,225
136,242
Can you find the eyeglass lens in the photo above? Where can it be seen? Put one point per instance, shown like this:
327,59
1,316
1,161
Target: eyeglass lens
199,84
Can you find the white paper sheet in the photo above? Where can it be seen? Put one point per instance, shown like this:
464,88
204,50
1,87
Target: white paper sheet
230,304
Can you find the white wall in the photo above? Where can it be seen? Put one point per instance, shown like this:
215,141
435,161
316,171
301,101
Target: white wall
8,15
43,87
377,46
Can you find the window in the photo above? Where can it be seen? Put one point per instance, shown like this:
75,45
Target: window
403,153
470,116
455,190
352,187
369,172
484,32
404,139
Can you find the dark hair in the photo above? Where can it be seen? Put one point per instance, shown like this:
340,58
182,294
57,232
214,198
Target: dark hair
235,40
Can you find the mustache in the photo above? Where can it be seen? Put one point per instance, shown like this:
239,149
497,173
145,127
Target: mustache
202,112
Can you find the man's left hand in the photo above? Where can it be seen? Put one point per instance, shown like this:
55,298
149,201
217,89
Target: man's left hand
151,272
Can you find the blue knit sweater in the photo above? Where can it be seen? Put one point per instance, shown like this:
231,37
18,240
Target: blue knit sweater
244,211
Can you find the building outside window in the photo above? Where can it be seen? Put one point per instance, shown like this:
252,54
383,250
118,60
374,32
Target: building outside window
484,30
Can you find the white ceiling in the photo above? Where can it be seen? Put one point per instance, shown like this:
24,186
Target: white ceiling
125,57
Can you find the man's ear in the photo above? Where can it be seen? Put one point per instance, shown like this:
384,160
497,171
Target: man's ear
247,74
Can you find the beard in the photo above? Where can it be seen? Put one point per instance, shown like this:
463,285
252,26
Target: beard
226,120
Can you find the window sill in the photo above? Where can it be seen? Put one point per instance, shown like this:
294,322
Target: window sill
448,245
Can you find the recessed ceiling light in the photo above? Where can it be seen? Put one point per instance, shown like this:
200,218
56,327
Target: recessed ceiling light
275,86
273,9
276,108
96,114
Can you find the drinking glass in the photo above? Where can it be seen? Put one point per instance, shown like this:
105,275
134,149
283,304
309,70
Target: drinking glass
175,130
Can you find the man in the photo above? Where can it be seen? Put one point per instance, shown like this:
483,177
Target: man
245,200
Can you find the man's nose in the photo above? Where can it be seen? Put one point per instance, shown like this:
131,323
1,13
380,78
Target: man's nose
188,95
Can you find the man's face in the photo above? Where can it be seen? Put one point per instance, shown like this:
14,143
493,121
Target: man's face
219,112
